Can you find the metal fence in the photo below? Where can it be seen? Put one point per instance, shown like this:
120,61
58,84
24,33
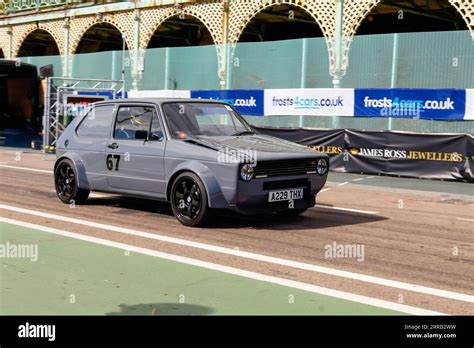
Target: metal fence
24,5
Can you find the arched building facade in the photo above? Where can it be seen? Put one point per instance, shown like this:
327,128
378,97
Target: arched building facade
225,21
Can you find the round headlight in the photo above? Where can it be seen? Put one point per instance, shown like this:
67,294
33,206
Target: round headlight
322,166
246,172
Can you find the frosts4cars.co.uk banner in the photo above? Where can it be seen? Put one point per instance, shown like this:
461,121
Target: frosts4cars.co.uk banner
432,104
311,102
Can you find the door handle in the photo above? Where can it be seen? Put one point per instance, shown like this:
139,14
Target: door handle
113,146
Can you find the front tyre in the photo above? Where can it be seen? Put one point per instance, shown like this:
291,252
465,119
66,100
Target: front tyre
66,184
189,200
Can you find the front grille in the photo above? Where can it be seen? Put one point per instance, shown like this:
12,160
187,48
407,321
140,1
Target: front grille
285,167
287,184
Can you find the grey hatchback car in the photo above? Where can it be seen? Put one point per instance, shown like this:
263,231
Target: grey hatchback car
199,155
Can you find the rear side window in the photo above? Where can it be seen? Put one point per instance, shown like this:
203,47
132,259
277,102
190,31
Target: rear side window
97,122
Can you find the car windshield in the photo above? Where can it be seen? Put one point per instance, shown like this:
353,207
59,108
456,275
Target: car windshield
187,120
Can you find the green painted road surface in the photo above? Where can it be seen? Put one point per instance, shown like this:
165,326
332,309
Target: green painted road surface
78,277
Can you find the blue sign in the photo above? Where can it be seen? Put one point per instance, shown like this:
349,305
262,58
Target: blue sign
430,104
246,102
107,94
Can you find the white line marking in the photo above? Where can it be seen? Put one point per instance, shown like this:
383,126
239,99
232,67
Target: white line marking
254,256
347,209
370,177
343,183
470,220
102,195
358,179
30,169
231,270
324,190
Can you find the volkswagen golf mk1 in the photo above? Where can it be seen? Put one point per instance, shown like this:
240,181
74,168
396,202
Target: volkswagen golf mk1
199,155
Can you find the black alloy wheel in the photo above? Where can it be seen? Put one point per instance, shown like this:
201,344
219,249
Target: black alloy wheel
65,182
189,199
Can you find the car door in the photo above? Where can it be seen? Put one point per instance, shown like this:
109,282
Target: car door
135,151
90,142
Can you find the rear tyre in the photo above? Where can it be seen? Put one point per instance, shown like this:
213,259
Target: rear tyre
189,200
292,212
65,182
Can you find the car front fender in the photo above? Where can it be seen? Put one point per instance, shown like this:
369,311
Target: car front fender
79,168
215,197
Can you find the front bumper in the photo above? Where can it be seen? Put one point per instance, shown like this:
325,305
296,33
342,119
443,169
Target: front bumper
252,196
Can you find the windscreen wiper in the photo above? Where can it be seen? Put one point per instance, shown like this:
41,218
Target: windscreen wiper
244,133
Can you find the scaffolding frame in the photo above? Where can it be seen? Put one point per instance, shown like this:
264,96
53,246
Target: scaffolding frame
54,110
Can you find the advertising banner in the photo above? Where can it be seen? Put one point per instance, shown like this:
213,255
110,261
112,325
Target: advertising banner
430,104
309,101
246,102
160,94
75,104
469,115
435,156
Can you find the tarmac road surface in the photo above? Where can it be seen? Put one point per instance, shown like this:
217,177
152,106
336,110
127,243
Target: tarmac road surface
407,242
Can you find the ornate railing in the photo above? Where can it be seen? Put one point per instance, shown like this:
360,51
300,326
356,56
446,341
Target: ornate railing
3,6
25,5
12,6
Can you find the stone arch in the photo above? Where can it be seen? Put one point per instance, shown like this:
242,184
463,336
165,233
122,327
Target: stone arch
5,42
122,21
242,12
322,11
355,11
209,14
3,45
56,29
21,32
466,9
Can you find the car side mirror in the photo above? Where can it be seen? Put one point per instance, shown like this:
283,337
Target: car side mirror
141,135
156,136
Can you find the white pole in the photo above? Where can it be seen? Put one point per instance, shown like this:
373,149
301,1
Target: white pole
123,57
338,51
393,79
304,49
338,42
167,67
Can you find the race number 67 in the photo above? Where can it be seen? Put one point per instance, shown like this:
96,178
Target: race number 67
110,162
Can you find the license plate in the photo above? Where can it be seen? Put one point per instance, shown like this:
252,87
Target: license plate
285,195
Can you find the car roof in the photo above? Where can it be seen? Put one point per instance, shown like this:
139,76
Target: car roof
157,101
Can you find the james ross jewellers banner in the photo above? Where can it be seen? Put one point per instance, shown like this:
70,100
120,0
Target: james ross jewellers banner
437,156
